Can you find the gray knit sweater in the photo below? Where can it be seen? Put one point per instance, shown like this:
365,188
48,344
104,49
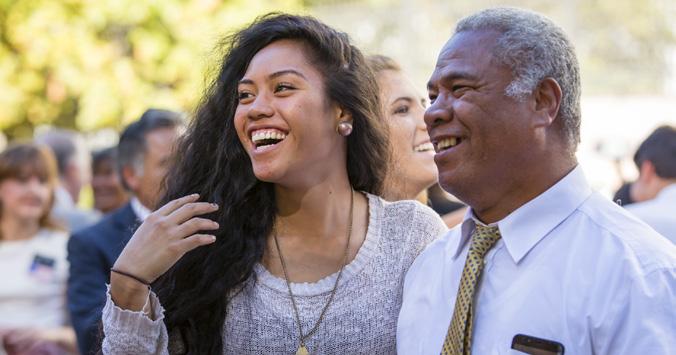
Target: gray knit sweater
362,318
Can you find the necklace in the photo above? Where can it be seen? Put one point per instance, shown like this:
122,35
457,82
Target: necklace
302,348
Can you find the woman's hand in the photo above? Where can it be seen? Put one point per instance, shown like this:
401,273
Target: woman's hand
163,238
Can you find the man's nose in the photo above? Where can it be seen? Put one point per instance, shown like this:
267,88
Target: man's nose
260,108
438,112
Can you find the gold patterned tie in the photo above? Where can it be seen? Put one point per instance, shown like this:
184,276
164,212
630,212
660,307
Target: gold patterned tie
459,336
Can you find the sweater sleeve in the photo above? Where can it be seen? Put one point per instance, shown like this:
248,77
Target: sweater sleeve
128,332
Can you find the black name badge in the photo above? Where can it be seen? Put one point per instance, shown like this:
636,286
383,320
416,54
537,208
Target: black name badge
536,346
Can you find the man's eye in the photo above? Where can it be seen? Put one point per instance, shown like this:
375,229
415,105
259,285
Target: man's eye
459,88
432,98
401,110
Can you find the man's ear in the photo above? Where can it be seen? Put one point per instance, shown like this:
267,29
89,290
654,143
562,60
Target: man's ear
547,96
130,178
646,172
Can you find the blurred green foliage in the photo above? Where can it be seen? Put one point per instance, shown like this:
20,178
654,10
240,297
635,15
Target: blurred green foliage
89,64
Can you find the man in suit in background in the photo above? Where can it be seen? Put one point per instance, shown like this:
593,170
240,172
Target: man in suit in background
144,155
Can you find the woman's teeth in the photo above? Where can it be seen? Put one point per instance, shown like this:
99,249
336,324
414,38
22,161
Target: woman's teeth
447,143
424,147
267,137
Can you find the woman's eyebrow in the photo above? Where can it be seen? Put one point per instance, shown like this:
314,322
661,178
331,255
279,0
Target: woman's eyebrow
277,74
287,72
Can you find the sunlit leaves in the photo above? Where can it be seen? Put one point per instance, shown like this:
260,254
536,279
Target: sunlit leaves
89,64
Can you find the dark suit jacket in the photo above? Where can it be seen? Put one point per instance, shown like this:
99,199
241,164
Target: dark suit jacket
91,253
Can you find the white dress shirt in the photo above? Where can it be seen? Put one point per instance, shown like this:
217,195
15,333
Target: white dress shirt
571,267
142,212
659,213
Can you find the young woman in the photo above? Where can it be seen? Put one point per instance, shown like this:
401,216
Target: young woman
303,257
412,169
33,266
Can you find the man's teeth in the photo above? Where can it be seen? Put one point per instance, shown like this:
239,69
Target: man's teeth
423,147
259,136
447,143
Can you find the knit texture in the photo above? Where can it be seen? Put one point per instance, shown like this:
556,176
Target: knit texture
361,319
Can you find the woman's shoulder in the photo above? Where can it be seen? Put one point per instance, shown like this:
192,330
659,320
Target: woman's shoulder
405,211
408,218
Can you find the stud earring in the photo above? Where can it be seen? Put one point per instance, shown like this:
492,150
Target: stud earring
344,128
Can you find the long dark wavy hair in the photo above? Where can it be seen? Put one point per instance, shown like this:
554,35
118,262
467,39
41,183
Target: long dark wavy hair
211,161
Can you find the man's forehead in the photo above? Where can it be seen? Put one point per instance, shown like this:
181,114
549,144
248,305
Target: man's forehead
468,44
466,54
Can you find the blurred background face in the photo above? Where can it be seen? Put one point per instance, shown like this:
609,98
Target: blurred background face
25,198
412,153
147,185
108,191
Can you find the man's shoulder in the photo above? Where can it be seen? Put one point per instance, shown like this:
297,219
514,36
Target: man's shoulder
621,235
114,223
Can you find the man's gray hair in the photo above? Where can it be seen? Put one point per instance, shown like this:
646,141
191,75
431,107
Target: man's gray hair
68,147
534,48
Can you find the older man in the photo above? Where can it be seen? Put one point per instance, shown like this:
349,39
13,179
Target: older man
540,262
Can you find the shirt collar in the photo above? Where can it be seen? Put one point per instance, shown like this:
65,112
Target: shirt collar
141,211
522,229
63,198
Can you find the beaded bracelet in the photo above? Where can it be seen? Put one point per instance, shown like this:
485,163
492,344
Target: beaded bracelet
144,282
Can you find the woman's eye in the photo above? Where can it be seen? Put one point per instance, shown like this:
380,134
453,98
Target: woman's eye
283,87
401,110
243,95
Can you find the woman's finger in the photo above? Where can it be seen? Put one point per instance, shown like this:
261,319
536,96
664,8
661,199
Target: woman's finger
190,210
195,241
173,205
194,225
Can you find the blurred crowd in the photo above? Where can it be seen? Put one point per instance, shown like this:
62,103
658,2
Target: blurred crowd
55,256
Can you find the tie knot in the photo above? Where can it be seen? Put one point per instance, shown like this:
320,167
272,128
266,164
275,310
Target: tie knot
483,239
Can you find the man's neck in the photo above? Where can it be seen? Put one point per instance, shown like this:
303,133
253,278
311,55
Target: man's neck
538,180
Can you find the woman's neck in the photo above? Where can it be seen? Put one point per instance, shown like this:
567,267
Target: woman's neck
18,229
315,212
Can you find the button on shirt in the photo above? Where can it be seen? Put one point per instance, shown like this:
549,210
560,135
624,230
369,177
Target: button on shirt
571,267
659,213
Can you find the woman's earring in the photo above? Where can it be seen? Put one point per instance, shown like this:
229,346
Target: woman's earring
344,128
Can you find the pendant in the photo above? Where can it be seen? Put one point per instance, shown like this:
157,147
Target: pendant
302,350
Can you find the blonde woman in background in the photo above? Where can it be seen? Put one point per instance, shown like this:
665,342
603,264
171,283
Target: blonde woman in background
33,266
412,170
